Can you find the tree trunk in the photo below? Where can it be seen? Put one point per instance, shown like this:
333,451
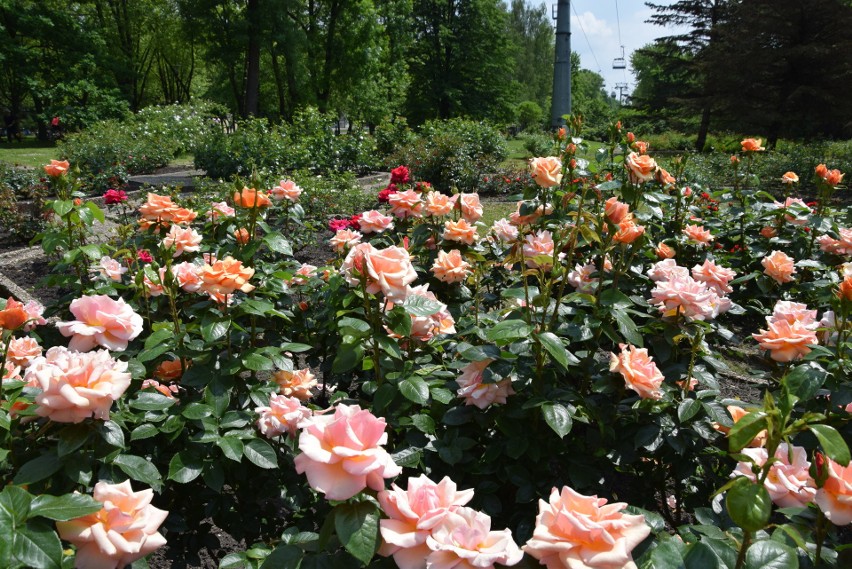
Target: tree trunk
703,128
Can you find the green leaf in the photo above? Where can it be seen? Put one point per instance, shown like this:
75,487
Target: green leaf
832,443
357,527
15,505
421,306
64,507
295,347
744,430
37,546
627,328
399,321
257,362
232,447
558,417
38,469
348,356
184,467
615,299
278,244
112,433
196,411
158,337
214,330
62,207
701,556
769,554
354,327
261,453
284,555
71,438
805,380
507,331
748,504
687,409
556,349
144,431
152,402
415,388
139,469
97,212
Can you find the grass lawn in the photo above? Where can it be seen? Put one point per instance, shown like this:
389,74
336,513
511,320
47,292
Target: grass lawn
518,155
30,152
492,211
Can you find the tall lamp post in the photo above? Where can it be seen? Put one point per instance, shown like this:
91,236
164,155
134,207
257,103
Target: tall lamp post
561,100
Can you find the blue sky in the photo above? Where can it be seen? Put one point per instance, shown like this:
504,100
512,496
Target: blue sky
597,18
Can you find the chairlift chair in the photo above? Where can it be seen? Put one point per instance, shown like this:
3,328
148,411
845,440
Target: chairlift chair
620,62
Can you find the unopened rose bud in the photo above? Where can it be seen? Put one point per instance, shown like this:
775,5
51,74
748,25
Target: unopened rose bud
735,159
630,138
571,149
618,125
78,202
768,232
303,306
572,164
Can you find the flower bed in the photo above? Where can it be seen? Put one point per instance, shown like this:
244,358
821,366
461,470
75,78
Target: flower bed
541,391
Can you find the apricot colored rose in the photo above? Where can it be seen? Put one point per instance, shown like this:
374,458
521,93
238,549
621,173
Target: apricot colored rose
101,321
736,412
187,276
479,394
581,278
794,312
181,216
615,210
412,514
463,539
226,276
834,177
789,178
547,172
639,371
438,204
389,271
345,239
460,231
628,231
666,179
538,250
768,232
682,295
110,268
665,270
182,241
752,145
844,291
471,208
789,483
640,168
57,168
786,342
170,370
168,390
451,267
835,496
698,235
406,204
156,207
779,266
375,222
641,146
286,189
242,236
13,315
714,276
283,415
663,251
77,385
22,351
584,532
122,532
504,230
250,198
296,384
342,453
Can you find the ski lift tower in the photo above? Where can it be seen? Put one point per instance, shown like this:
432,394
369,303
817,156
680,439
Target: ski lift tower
561,98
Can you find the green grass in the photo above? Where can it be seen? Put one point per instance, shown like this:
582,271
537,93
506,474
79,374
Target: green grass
492,211
30,153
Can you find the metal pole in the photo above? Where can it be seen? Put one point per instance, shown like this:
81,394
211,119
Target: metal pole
561,100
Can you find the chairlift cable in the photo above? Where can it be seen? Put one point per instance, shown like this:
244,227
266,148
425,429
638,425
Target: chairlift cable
579,21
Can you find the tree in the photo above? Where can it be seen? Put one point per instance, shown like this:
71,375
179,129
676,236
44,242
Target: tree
533,43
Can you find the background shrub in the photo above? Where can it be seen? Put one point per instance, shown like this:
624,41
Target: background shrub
530,115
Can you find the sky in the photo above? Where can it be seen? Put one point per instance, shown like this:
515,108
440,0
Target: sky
600,44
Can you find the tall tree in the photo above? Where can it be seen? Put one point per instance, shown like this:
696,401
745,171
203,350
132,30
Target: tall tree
532,35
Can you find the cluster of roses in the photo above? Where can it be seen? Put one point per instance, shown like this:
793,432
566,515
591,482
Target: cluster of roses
699,294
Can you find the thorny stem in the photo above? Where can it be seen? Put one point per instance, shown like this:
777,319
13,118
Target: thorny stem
743,548
819,537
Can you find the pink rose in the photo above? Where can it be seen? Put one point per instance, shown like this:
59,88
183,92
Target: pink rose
101,321
220,209
463,539
405,204
110,268
738,413
22,351
34,310
438,204
584,532
504,230
450,267
479,394
286,189
841,246
460,231
779,266
581,278
296,384
182,240
303,274
187,276
786,342
153,288
789,483
471,209
796,211
424,328
345,239
413,514
835,496
342,453
639,371
794,312
698,235
538,250
547,172
122,532
283,415
683,295
666,270
375,222
76,386
714,276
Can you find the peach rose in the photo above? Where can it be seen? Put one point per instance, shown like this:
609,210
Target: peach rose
584,532
641,168
438,204
538,250
157,207
34,310
168,390
639,371
22,351
794,312
789,178
342,452
698,235
789,483
153,288
786,342
412,514
220,209
242,236
463,539
797,211
181,216
13,316
479,394
504,230
124,530
581,278
183,241
283,415
451,267
101,321
768,232
471,208
714,276
834,177
406,204
345,239
296,384
250,197
460,231
666,179
352,268
226,276
375,222
515,218
304,273
779,266
835,496
663,251
752,145
683,295
286,189
666,270
547,172
641,146
187,276
12,372
615,210
424,328
57,168
170,370
628,231
76,386
738,413
389,271
110,268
